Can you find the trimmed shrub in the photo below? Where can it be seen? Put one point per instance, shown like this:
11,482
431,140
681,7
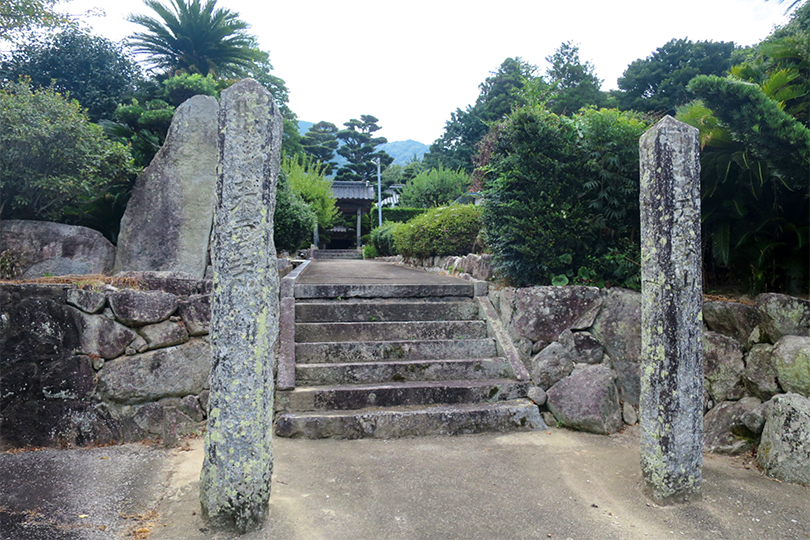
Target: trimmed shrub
435,187
382,238
448,230
401,214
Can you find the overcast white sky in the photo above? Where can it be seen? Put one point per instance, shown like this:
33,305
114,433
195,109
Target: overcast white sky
411,63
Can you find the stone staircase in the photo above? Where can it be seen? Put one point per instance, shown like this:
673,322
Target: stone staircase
392,361
337,254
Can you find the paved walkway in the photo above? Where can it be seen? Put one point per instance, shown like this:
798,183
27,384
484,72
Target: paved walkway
360,272
554,484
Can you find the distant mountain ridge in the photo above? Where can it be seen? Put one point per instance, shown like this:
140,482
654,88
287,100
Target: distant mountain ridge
402,151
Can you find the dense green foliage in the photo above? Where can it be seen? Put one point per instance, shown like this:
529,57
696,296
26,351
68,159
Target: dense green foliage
401,214
320,142
659,82
571,83
294,221
465,129
448,230
435,187
53,161
306,177
360,150
755,162
560,196
755,165
95,71
18,16
382,239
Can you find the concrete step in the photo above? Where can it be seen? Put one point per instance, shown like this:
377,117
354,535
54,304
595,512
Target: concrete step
430,309
403,371
360,396
378,351
389,331
382,290
459,419
337,254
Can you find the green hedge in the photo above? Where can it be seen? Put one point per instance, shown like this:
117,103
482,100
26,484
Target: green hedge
382,238
401,214
449,230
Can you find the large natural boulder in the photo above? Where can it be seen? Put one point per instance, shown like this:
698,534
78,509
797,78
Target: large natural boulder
542,313
171,372
731,319
784,451
43,248
168,219
551,365
722,366
759,375
587,400
137,308
791,359
35,324
725,430
618,328
783,315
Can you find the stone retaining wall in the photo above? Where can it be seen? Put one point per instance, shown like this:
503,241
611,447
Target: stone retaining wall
82,364
582,348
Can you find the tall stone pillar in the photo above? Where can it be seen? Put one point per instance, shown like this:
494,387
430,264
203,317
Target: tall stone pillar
235,480
671,403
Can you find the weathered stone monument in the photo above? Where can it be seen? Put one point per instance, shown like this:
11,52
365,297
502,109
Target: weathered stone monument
671,402
235,480
168,219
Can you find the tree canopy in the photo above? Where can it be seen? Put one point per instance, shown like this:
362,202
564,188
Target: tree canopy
52,159
499,93
195,38
571,84
659,82
320,141
18,16
94,70
360,150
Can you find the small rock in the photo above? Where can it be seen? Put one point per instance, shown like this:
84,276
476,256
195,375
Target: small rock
731,319
587,400
783,315
103,337
538,395
791,358
87,301
138,308
784,451
190,406
164,334
551,365
754,420
759,375
722,366
196,314
725,431
629,414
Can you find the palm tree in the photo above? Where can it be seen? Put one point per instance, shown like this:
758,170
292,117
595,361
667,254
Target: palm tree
195,38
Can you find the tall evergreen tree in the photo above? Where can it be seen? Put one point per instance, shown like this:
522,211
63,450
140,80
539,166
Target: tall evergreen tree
465,129
320,142
573,84
360,150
